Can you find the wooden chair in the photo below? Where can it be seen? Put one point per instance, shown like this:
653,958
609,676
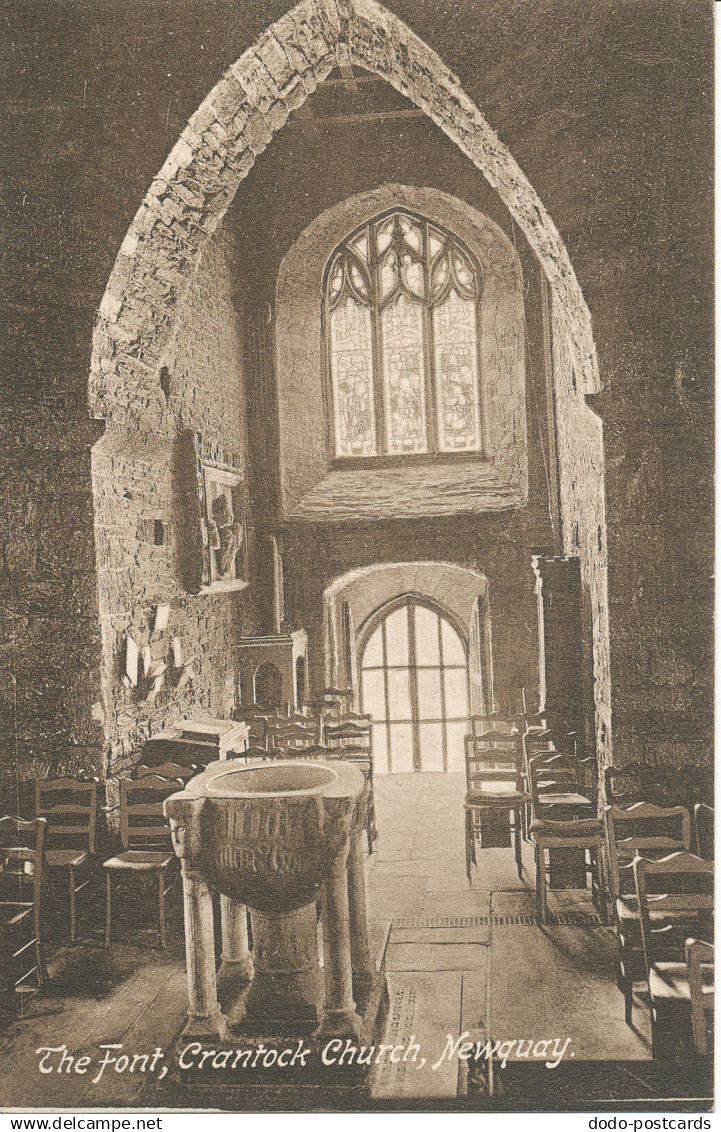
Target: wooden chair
22,878
482,724
494,781
675,901
293,733
145,838
641,830
70,806
362,757
256,716
703,825
584,836
700,964
259,752
558,787
348,730
564,818
344,696
327,705
541,740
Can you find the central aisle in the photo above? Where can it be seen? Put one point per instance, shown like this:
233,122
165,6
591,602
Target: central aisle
472,958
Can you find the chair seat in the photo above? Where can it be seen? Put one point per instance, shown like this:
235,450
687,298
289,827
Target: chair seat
669,981
139,860
56,858
509,797
570,799
627,909
586,827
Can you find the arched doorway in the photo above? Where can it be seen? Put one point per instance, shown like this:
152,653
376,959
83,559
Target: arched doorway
414,685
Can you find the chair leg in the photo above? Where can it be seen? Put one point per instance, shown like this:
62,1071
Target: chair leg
541,902
369,837
71,871
107,910
161,907
627,989
517,834
664,1034
39,952
469,836
604,911
40,963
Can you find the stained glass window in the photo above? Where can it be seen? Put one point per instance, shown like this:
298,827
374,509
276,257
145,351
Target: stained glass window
403,378
402,306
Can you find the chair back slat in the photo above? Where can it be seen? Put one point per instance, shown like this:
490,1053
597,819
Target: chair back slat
165,770
492,722
555,773
494,762
142,823
22,845
357,755
74,801
295,733
348,730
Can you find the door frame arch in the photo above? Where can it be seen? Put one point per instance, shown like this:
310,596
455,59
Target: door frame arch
371,623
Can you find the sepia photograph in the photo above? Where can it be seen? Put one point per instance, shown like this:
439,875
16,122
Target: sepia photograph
357,557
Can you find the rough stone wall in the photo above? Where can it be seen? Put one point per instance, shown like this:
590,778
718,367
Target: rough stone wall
581,484
496,546
49,633
144,521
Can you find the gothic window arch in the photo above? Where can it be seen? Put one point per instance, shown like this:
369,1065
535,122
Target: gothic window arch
401,308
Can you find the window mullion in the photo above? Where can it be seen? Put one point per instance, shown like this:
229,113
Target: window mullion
442,677
428,352
413,675
386,696
377,343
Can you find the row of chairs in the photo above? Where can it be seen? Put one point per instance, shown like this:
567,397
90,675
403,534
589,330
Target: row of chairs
663,899
540,779
545,789
536,781
330,727
55,853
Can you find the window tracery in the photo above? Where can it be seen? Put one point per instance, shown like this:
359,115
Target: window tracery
402,318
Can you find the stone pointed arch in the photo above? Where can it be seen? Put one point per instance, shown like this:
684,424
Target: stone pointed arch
217,149
460,593
215,152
